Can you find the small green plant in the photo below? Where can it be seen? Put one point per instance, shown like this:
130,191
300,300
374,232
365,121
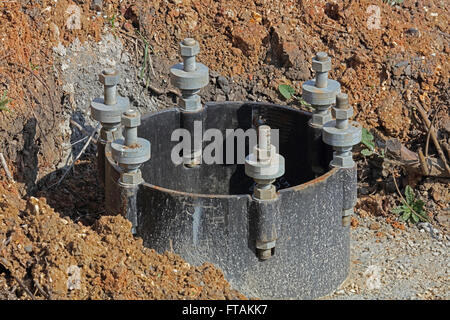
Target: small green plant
412,209
112,21
4,101
288,93
34,66
367,140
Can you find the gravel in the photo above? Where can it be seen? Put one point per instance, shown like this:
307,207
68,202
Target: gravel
389,263
79,65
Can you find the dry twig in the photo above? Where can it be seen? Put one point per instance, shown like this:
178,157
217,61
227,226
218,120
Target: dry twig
77,157
45,294
428,125
82,129
5,264
429,132
5,166
423,163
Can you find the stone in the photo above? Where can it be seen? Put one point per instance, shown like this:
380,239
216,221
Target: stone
374,226
249,38
223,84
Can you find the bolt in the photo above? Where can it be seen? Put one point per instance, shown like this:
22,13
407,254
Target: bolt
110,78
264,254
131,119
189,49
342,104
322,72
346,221
264,145
189,42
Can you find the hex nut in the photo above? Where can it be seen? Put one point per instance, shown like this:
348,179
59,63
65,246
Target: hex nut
265,245
342,114
131,177
342,161
189,51
130,121
192,103
109,135
109,79
320,118
321,66
265,194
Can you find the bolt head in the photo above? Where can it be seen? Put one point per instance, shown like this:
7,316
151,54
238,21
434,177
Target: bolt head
321,65
131,177
342,114
189,50
131,119
109,77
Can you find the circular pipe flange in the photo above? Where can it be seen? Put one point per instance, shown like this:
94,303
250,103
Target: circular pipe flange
189,80
320,96
341,137
130,155
109,113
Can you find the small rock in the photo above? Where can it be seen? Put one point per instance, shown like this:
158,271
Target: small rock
425,226
413,32
28,248
97,5
128,27
373,275
249,38
374,226
213,74
223,84
60,50
222,81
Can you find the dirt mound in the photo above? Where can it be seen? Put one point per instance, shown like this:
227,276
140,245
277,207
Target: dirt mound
53,257
375,46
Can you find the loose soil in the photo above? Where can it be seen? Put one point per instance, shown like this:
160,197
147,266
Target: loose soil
56,258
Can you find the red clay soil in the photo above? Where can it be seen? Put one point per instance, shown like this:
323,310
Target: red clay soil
45,253
237,37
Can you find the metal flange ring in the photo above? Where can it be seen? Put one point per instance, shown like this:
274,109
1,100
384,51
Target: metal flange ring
320,96
193,80
109,113
136,154
341,137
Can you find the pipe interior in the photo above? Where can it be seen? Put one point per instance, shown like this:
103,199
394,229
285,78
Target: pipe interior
228,179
